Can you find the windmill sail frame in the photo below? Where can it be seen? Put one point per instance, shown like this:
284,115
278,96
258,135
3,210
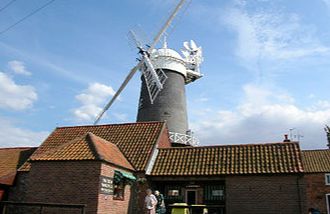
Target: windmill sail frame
154,79
152,87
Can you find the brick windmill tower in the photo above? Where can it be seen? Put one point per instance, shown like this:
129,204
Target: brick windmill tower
164,74
170,103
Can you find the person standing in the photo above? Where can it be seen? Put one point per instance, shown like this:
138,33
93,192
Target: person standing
160,208
150,202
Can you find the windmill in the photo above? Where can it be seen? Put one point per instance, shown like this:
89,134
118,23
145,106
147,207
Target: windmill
165,73
170,104
154,79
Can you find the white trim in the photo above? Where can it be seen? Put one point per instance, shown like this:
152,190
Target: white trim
152,160
326,179
327,202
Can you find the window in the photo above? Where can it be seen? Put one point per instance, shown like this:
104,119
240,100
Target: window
118,192
120,180
119,186
173,194
214,193
327,179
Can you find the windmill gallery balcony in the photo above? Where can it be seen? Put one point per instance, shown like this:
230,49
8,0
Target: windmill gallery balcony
184,139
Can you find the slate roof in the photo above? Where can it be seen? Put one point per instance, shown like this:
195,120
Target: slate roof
86,147
135,140
316,160
10,160
229,160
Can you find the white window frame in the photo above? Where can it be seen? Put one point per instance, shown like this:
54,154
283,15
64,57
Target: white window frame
327,202
326,179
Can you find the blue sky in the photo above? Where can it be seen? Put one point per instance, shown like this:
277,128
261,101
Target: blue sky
266,67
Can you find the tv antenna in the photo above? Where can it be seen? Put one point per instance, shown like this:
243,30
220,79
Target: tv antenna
295,134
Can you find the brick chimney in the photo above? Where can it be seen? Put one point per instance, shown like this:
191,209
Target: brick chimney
286,139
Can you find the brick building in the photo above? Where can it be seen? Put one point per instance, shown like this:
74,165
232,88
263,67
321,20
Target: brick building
317,178
254,178
108,167
75,171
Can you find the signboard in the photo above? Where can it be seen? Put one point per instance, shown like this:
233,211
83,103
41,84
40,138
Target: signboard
106,185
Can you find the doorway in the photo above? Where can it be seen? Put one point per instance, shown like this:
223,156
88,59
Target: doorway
191,196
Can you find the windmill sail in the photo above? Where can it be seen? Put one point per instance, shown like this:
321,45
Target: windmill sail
154,86
133,70
136,40
121,88
154,79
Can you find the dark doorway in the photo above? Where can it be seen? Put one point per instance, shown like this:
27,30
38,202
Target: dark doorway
191,197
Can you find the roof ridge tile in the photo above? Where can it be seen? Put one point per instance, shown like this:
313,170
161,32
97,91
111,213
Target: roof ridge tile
114,124
12,148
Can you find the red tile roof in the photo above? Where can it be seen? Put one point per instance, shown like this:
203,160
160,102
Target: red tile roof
316,160
86,147
10,160
229,160
135,140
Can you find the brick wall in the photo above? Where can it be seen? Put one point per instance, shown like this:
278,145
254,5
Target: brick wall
164,140
106,203
316,191
17,192
69,182
264,194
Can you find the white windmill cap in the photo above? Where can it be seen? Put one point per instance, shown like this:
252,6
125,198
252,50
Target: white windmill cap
168,52
166,58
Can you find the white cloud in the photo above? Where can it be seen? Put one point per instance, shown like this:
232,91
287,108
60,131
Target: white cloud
14,96
18,67
12,136
269,34
92,100
264,115
321,105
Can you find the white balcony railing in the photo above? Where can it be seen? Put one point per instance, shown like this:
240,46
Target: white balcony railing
183,139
